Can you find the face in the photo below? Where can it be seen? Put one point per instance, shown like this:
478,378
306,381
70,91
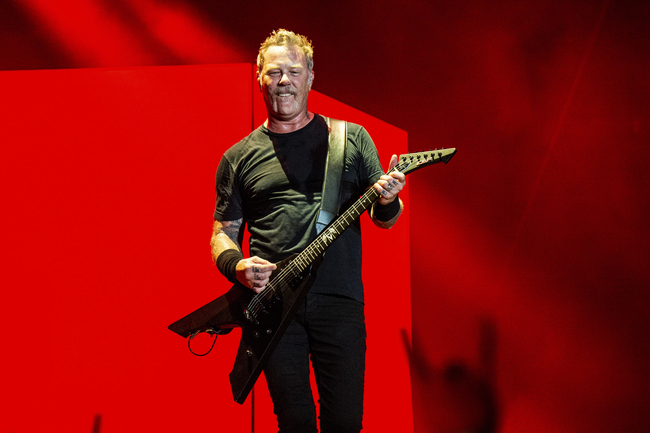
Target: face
285,82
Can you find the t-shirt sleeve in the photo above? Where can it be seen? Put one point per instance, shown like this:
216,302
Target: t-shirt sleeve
228,205
372,165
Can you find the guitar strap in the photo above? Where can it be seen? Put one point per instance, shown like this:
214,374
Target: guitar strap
338,133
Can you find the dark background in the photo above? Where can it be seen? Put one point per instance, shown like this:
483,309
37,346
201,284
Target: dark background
529,251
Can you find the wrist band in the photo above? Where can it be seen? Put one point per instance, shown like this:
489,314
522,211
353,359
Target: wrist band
386,212
227,264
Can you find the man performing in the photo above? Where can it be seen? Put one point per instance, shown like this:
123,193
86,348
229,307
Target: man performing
272,181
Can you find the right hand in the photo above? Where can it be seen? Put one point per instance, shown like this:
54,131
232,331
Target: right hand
254,272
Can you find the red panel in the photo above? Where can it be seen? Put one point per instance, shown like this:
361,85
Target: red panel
109,179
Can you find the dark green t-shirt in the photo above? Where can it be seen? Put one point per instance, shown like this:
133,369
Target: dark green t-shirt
274,182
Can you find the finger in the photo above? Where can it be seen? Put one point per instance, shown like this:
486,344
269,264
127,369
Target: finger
261,277
393,162
262,265
260,260
380,189
397,182
260,270
393,176
384,194
390,183
257,288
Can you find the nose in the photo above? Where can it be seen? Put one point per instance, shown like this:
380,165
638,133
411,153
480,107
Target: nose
285,80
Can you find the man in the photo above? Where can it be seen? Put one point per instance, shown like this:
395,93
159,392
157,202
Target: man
272,181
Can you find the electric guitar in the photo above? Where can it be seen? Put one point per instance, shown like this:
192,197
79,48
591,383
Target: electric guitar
264,317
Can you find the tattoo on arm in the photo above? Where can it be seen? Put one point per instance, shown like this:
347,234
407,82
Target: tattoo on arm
225,235
231,229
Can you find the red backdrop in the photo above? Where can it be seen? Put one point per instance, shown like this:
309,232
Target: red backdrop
529,251
109,177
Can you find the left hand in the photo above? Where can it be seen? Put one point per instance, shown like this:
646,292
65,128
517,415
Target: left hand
389,185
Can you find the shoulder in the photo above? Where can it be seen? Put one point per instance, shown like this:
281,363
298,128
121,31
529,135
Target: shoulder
259,134
360,140
361,154
246,147
356,133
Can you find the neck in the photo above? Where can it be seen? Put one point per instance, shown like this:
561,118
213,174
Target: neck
281,126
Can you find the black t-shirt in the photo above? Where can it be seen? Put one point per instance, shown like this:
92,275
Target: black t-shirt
274,182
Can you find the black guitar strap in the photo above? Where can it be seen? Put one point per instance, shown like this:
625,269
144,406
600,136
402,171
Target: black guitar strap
338,133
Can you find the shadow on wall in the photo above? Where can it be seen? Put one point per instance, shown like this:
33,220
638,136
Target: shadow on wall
456,398
97,424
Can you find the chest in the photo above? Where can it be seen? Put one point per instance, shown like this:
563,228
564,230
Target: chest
286,169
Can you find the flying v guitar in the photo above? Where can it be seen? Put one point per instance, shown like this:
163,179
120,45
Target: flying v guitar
265,316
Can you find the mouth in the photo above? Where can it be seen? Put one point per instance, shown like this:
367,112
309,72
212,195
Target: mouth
284,92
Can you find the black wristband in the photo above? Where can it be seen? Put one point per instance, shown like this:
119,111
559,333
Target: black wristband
386,212
227,263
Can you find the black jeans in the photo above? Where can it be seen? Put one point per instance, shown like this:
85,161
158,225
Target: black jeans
332,330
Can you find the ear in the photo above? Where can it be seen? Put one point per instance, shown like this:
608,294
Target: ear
310,79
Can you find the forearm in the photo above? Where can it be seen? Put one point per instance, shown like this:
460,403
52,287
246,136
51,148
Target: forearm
225,244
225,248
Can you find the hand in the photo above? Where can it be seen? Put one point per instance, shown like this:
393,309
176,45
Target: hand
254,272
389,185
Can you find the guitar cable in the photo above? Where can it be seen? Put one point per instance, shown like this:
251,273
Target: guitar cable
197,332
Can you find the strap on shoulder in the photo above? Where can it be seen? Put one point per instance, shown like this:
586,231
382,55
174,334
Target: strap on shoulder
333,172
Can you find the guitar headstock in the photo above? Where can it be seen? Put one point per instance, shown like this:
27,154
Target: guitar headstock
410,162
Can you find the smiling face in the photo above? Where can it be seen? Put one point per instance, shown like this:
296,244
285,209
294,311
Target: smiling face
285,82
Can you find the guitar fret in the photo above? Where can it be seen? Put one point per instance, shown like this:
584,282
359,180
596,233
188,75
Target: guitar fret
298,264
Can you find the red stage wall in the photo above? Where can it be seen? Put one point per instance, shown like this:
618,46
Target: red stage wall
108,191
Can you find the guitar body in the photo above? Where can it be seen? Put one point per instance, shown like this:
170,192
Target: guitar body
261,331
